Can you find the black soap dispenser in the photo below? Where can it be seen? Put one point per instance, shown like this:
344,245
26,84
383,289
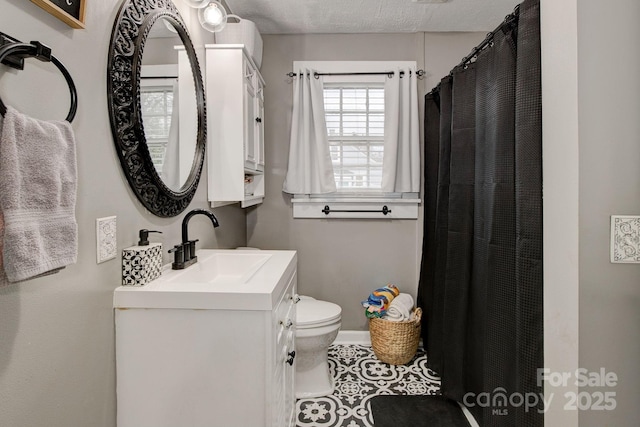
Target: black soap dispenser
143,263
144,236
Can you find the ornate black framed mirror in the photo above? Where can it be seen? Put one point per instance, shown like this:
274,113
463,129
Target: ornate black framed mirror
133,108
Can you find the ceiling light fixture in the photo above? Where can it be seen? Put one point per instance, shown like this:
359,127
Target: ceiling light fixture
213,17
211,14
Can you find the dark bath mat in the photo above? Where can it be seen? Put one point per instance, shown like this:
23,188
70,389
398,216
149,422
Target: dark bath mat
416,411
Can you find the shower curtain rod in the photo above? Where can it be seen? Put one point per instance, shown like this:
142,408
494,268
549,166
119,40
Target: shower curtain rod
508,21
419,73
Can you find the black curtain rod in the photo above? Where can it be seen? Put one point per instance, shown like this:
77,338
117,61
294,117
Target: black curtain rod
159,77
419,73
508,22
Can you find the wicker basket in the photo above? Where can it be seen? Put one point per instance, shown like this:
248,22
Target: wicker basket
395,343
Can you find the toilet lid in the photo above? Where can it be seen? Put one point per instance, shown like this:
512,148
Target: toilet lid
311,312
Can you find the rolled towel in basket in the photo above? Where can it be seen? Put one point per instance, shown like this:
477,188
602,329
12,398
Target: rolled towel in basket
378,302
400,308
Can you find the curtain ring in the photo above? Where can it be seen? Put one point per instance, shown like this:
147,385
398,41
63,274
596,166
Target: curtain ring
316,75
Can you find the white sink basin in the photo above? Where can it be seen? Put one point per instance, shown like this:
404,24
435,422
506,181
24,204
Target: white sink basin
221,267
221,279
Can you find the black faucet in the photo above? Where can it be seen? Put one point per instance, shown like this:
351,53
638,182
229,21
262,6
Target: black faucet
184,254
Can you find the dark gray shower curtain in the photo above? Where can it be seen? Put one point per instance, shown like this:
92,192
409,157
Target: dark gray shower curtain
481,276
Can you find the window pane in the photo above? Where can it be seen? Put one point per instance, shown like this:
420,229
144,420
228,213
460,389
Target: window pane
377,154
156,150
153,102
169,102
333,124
332,99
154,127
157,107
336,156
375,177
376,124
376,99
354,155
354,99
355,126
358,178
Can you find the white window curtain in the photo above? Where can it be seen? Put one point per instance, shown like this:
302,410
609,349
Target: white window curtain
310,170
401,164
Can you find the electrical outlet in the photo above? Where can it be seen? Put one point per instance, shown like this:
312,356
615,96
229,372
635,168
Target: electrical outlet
106,239
625,239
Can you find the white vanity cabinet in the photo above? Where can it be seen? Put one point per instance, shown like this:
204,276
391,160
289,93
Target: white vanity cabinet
195,355
235,126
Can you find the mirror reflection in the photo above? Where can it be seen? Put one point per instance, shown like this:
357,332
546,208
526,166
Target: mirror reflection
174,114
168,104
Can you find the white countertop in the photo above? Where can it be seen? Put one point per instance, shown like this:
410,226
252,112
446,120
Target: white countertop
260,292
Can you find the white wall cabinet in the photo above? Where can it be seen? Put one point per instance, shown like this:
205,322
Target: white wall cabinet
235,123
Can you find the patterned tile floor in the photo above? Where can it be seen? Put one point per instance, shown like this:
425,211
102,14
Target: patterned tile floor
359,376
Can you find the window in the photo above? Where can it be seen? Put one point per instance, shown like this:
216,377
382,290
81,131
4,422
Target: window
354,104
355,127
156,104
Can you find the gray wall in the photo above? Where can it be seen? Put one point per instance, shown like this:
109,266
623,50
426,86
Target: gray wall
609,126
57,364
342,260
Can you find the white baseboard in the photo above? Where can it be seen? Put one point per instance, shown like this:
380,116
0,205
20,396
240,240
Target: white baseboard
353,337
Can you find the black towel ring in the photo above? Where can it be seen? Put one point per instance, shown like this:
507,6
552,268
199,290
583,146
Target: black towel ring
43,53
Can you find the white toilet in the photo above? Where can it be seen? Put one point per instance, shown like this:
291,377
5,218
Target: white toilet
317,326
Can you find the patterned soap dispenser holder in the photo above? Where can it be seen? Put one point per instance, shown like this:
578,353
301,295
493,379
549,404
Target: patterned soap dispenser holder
143,263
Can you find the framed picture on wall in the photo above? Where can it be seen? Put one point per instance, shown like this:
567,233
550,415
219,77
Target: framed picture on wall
70,12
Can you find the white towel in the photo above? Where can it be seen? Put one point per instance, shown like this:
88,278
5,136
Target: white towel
400,308
38,183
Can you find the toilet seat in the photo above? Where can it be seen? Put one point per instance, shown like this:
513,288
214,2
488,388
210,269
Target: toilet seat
311,313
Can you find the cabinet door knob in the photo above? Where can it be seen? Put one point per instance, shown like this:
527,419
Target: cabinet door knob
258,119
289,324
296,298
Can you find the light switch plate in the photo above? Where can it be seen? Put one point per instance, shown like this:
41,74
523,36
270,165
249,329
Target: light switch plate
625,239
106,239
